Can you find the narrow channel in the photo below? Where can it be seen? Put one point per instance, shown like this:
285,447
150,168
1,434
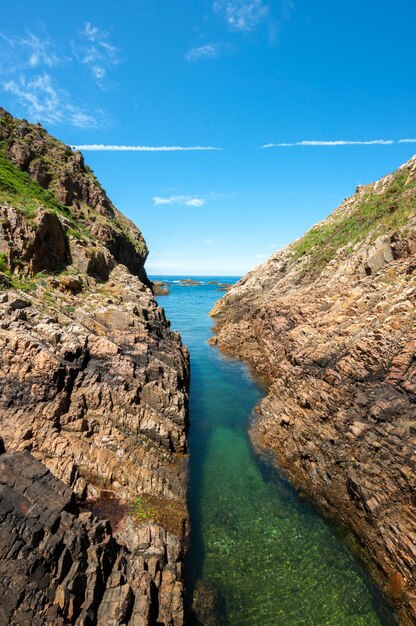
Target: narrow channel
273,560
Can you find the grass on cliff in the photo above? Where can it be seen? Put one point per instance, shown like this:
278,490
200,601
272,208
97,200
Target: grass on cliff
19,190
377,213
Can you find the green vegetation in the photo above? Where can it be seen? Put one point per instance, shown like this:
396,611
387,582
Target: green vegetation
377,213
18,189
141,510
8,280
4,266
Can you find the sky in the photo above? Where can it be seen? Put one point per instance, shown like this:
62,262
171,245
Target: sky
250,119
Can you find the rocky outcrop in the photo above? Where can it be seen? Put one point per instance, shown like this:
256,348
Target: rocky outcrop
94,384
61,565
63,184
330,322
94,389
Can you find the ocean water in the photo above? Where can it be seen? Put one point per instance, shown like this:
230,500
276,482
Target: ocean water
273,560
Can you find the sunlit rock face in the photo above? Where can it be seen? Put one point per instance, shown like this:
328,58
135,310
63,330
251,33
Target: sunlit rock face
330,321
94,389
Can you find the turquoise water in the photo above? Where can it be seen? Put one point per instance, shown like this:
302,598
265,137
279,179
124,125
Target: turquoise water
272,558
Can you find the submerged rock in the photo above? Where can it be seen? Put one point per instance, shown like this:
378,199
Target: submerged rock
206,603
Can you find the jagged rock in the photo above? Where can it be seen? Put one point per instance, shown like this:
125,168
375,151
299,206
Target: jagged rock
333,330
61,565
94,390
41,244
61,170
39,171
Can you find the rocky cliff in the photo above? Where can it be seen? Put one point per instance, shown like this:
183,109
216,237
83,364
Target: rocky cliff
330,322
94,389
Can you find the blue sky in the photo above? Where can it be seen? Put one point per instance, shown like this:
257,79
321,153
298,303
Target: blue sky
230,74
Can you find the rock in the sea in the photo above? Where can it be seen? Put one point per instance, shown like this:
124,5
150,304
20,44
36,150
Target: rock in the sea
160,288
206,604
330,322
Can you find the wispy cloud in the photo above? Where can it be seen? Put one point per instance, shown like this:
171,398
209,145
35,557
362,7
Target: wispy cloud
115,148
28,75
372,142
407,141
28,52
208,51
96,52
242,15
43,101
208,242
184,200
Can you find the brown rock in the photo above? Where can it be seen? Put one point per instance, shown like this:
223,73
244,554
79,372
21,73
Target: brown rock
94,386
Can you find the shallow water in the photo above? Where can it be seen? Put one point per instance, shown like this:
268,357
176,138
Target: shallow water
272,558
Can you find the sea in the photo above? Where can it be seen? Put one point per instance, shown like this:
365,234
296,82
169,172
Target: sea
271,558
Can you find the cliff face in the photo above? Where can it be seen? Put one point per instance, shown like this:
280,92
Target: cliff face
330,322
94,388
61,565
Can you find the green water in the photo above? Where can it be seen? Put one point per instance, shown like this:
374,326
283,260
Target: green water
272,558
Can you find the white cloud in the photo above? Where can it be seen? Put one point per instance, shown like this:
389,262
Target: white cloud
26,74
407,140
115,148
209,51
380,142
185,200
44,102
208,242
242,15
96,52
40,51
29,52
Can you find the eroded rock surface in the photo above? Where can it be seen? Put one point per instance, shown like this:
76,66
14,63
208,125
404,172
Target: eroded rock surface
330,322
94,389
61,565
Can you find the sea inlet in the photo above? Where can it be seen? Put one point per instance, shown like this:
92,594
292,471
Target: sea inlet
272,559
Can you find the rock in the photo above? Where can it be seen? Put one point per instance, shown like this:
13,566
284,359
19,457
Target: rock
62,171
19,303
70,284
379,255
40,244
189,282
69,566
206,603
160,288
94,402
39,171
336,340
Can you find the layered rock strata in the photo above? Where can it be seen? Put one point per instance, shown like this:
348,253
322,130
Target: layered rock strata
330,322
61,565
93,388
